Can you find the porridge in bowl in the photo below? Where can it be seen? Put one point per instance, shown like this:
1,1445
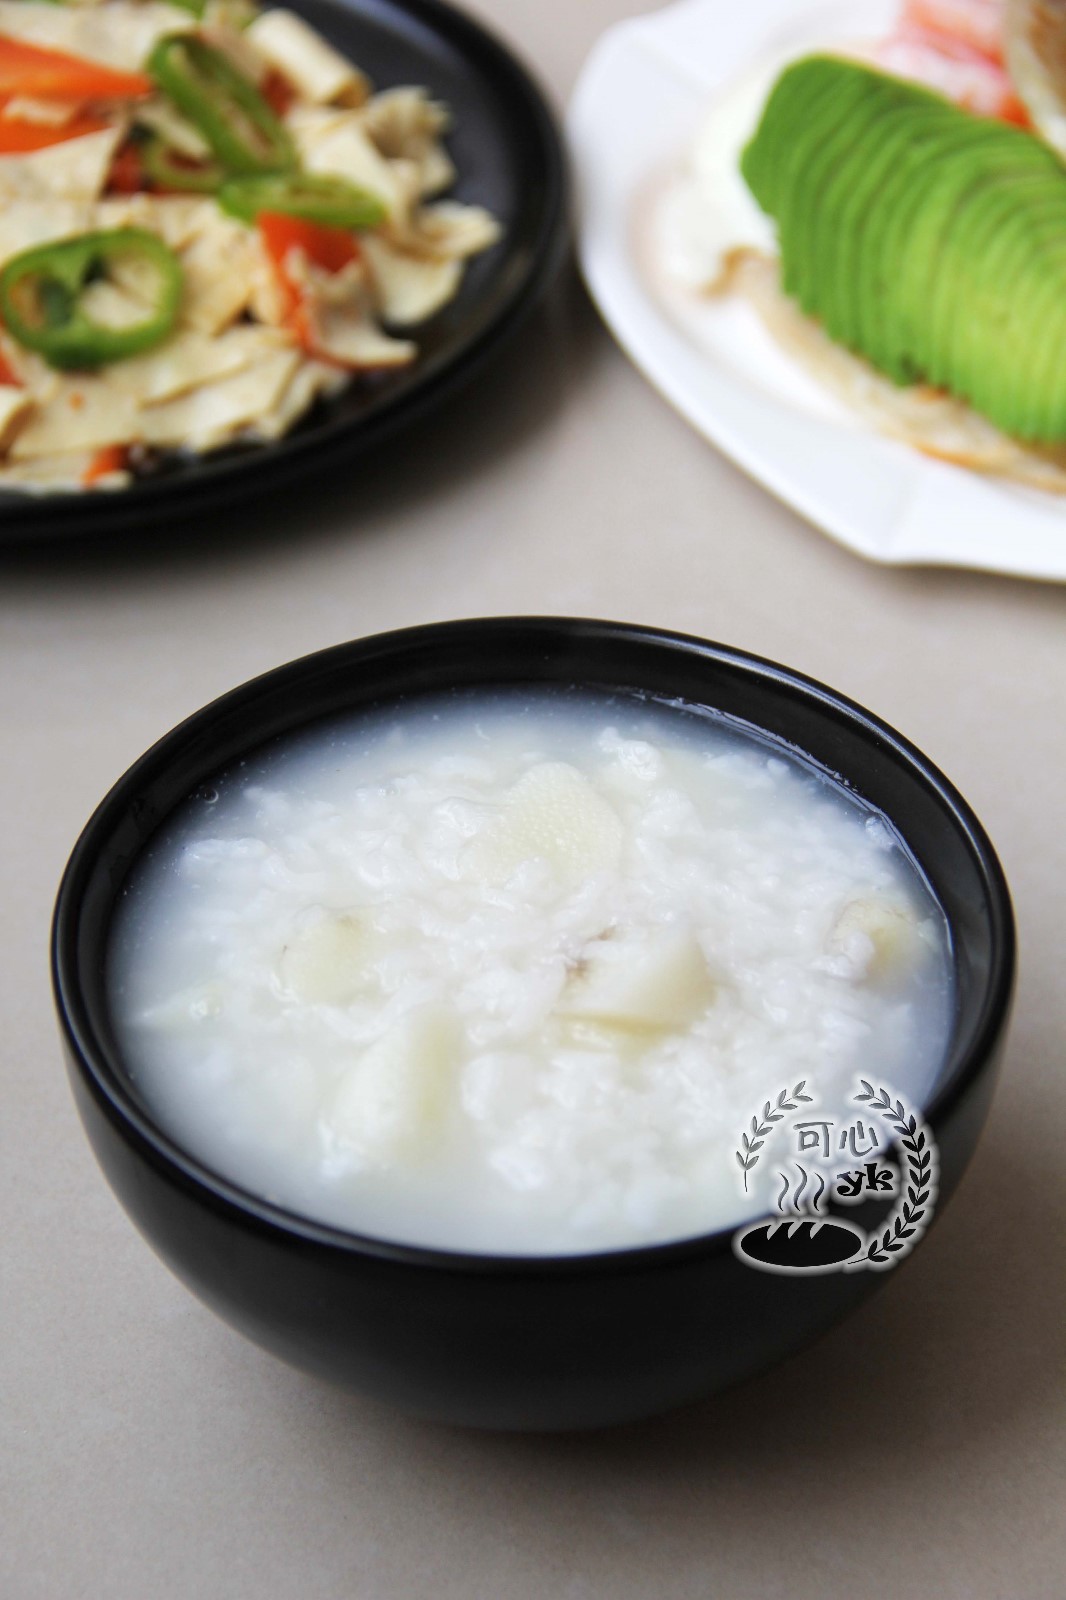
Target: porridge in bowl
508,971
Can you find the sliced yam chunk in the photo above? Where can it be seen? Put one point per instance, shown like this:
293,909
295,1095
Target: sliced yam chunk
392,1102
215,412
268,302
188,360
77,169
116,36
220,267
162,117
405,124
53,474
310,123
451,230
336,142
407,289
30,371
338,286
552,814
347,335
436,171
113,305
232,43
659,983
334,316
291,46
233,14
15,407
327,962
177,219
25,223
82,414
875,938
401,119
311,380
136,278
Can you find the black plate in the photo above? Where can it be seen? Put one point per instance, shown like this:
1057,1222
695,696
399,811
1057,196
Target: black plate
509,157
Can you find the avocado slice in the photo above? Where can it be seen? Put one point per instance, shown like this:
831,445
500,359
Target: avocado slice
893,143
869,266
987,291
995,246
920,185
986,209
990,319
785,116
855,112
834,122
925,182
1032,401
805,108
851,201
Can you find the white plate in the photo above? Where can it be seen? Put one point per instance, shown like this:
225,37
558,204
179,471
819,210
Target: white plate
639,102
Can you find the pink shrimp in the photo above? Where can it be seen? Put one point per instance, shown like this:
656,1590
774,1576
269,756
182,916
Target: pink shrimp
976,23
954,47
963,75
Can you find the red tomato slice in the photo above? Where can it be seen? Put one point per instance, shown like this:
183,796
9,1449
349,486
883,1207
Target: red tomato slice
328,248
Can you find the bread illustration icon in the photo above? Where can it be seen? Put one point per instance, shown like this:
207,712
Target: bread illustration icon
803,1244
803,1239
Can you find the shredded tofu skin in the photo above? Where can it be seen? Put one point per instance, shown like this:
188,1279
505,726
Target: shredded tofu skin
268,319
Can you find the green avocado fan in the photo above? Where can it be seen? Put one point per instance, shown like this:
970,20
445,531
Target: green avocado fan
929,240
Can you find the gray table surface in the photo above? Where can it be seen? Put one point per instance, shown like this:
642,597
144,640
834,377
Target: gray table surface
148,1451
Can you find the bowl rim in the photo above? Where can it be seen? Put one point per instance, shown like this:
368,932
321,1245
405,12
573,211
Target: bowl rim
103,1075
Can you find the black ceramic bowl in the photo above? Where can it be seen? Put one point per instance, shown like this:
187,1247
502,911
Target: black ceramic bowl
510,1342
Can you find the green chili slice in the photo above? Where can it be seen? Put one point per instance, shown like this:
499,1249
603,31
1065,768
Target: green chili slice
240,128
313,197
172,171
50,297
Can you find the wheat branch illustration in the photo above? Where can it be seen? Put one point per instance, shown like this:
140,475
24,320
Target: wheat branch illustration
761,1129
905,1224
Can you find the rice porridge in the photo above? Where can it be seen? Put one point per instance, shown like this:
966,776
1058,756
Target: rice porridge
510,971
